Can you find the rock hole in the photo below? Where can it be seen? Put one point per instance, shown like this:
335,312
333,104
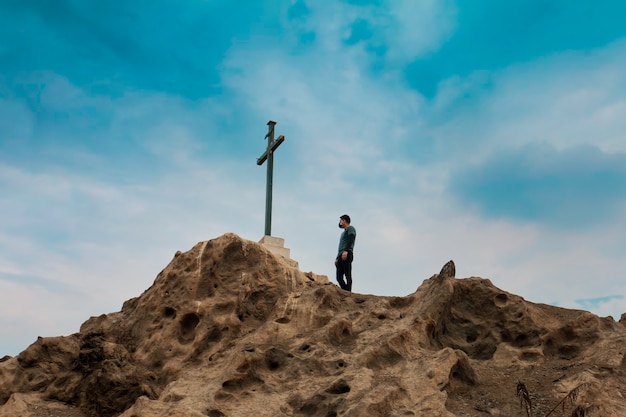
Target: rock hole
311,406
569,334
283,320
483,350
430,330
471,338
241,383
530,356
215,413
308,409
188,324
381,317
169,312
276,358
305,347
569,351
501,299
338,387
214,335
227,306
231,383
505,336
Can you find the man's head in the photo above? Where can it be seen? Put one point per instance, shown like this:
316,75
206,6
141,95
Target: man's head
344,221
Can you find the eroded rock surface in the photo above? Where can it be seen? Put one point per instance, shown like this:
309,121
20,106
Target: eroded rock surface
229,329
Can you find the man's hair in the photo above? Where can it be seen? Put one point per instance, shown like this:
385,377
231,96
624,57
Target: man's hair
346,218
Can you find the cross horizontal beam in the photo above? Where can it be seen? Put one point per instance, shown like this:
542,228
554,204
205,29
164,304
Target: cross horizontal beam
272,148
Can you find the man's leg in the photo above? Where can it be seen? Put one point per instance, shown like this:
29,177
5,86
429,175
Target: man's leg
347,268
340,273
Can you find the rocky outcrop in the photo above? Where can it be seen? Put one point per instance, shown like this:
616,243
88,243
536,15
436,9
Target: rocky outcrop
229,329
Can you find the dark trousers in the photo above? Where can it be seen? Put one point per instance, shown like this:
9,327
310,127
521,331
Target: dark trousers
345,268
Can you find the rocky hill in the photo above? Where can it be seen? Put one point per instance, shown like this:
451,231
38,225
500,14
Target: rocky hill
229,329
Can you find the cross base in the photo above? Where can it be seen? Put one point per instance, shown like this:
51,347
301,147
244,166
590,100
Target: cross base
276,245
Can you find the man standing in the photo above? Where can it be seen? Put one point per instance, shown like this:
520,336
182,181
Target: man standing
343,262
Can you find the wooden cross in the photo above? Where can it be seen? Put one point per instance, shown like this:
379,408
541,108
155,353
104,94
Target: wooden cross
268,155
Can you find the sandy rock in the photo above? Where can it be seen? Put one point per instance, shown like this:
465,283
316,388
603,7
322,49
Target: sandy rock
229,329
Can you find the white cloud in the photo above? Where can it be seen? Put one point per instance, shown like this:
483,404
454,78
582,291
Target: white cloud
399,30
419,27
566,100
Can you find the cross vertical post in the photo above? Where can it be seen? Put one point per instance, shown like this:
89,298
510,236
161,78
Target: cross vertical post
270,178
268,155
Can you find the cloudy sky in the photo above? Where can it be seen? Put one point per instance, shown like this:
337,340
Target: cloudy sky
487,132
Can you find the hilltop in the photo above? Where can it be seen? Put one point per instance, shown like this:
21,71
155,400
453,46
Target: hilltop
229,329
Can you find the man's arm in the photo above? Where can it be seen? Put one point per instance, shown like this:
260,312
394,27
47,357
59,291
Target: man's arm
351,238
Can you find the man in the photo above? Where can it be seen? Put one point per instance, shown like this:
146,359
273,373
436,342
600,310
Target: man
343,262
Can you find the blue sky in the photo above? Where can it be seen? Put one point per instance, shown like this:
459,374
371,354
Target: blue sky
486,132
